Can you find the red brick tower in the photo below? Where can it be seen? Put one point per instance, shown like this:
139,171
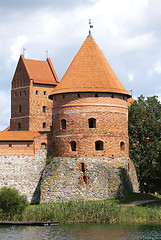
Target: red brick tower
90,114
32,83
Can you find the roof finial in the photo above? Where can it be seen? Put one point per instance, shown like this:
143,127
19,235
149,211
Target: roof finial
24,51
46,54
90,26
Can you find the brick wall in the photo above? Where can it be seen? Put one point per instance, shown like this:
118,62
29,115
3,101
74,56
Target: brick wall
111,114
25,148
31,109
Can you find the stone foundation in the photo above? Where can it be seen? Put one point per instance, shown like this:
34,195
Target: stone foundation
23,173
87,179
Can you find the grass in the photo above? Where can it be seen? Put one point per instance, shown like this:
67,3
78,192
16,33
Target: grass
132,197
105,211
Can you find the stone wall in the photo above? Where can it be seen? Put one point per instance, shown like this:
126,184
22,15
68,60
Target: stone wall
23,173
87,179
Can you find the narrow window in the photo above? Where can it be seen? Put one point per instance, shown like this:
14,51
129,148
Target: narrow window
20,93
112,96
123,97
44,109
19,125
19,108
63,96
122,146
63,124
44,92
28,145
43,146
73,146
78,95
44,125
82,167
36,92
96,95
92,123
10,145
98,145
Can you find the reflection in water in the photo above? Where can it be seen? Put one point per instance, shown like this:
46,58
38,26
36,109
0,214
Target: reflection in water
82,232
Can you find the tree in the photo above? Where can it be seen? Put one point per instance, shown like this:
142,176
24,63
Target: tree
145,142
11,201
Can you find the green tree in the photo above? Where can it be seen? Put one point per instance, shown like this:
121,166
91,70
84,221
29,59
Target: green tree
11,201
145,142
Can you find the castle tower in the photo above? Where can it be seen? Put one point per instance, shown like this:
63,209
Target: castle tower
90,133
90,114
32,83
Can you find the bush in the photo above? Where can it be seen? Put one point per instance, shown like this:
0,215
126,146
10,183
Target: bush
11,201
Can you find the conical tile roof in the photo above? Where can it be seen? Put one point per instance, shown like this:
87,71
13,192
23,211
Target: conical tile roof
89,72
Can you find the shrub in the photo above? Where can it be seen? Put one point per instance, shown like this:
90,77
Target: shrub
11,201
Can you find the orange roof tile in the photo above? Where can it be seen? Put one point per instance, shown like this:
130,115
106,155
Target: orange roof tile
6,129
18,135
89,72
130,101
41,72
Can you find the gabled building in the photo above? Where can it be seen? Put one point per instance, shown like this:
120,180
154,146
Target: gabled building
31,109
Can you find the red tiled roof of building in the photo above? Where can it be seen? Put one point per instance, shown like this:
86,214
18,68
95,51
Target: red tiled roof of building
89,72
41,72
6,129
18,135
130,101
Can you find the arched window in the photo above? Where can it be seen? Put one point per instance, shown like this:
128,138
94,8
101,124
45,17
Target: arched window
43,146
98,145
122,146
63,124
73,145
44,125
92,123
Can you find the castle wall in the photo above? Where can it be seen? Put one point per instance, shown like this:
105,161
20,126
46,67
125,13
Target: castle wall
111,115
102,178
23,173
38,115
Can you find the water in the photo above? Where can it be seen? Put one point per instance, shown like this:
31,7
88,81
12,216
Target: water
82,232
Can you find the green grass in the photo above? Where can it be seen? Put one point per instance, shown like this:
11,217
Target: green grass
105,211
132,197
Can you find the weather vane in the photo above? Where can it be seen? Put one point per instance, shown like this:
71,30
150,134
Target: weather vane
24,51
90,26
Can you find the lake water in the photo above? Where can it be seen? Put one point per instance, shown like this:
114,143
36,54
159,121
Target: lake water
82,232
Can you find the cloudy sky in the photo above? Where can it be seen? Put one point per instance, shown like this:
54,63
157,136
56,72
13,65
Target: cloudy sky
127,31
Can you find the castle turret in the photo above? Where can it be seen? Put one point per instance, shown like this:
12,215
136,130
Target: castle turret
90,133
90,114
30,107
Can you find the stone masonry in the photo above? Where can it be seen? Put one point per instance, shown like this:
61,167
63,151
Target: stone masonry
102,178
23,173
